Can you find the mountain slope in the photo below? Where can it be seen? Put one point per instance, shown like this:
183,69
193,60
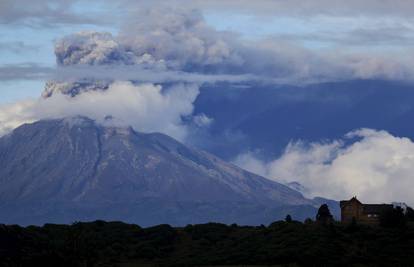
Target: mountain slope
73,169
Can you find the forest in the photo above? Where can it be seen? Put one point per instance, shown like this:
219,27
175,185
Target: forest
322,242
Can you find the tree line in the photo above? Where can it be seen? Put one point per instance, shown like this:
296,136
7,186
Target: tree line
317,242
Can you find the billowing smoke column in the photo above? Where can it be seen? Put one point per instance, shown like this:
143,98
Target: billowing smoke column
180,41
159,40
173,41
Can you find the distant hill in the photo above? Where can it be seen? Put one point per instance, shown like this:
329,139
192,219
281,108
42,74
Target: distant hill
61,171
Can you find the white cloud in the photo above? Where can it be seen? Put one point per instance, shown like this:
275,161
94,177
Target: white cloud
376,166
202,120
146,107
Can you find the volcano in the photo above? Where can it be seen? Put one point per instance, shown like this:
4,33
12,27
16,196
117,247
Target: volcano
74,169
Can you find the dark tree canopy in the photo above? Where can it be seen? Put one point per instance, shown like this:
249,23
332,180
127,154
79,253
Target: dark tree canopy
393,217
116,244
324,214
410,214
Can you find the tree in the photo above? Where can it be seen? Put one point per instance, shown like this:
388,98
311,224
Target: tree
393,218
308,221
288,218
410,214
324,215
353,226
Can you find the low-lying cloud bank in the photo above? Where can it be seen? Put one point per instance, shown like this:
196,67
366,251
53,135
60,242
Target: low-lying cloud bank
146,107
373,165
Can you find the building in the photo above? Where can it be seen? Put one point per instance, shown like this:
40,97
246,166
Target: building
362,213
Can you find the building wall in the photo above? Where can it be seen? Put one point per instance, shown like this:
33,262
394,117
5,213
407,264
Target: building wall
369,219
353,209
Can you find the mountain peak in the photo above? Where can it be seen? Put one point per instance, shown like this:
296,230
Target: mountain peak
76,169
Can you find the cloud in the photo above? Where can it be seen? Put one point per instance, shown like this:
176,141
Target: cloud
395,35
109,73
25,71
173,39
92,48
84,78
202,120
138,73
303,8
275,65
145,107
50,13
177,44
374,165
182,41
17,47
181,38
45,13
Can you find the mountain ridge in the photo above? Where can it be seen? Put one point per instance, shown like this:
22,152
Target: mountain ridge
75,169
